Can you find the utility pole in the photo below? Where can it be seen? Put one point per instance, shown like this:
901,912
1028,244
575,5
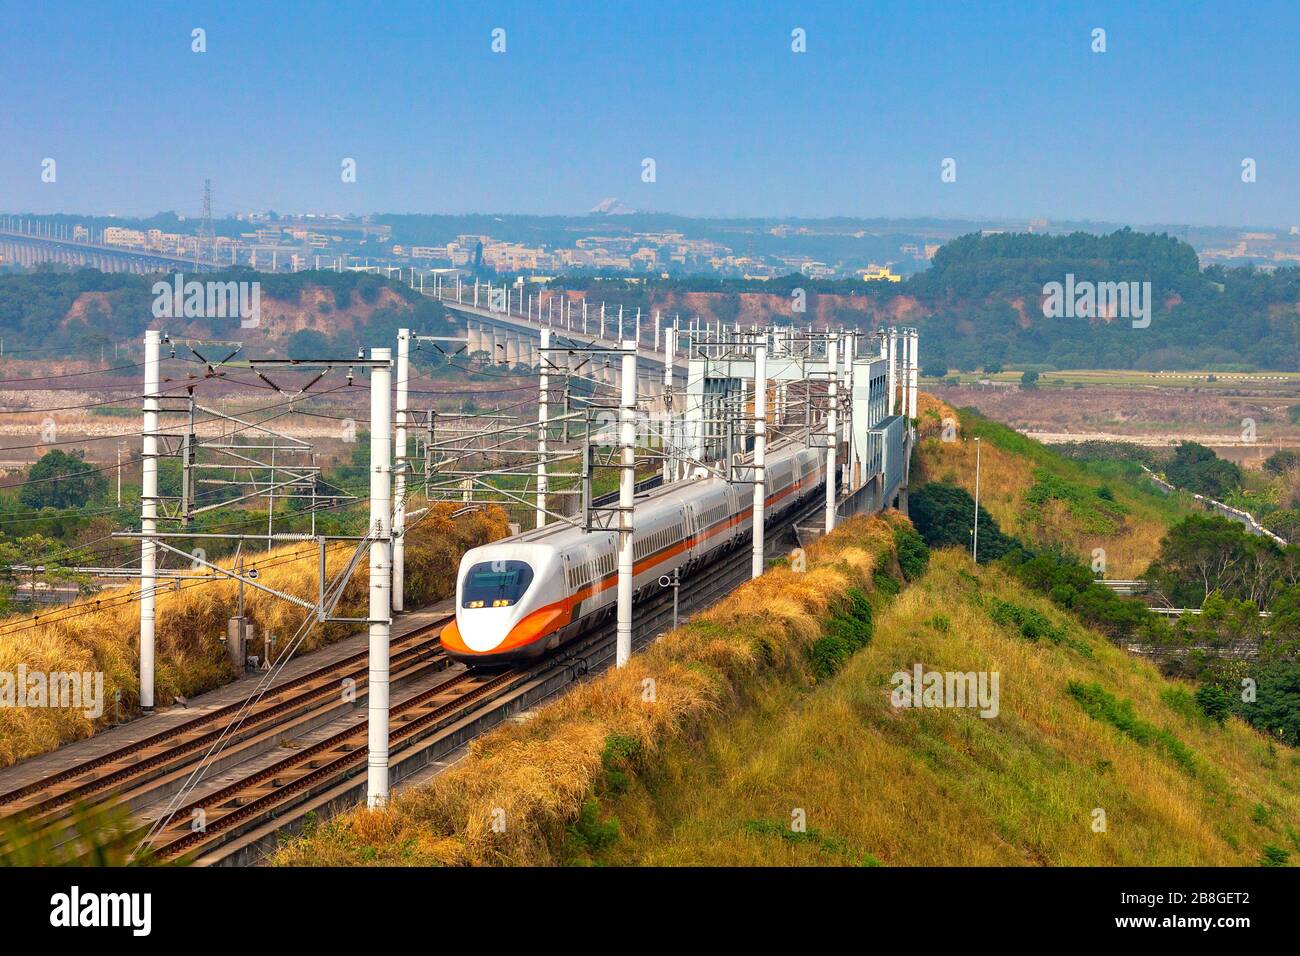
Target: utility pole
832,435
626,501
975,537
543,388
381,464
760,451
399,474
119,475
149,518
670,422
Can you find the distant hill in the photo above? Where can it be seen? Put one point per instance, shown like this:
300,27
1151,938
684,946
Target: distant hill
981,302
85,309
985,295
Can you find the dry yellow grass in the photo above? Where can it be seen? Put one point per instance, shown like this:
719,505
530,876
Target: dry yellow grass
191,626
1007,475
947,787
535,776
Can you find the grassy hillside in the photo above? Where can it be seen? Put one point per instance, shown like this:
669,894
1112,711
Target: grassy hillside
1043,498
1081,727
775,708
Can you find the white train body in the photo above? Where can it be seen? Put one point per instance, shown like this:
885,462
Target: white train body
525,595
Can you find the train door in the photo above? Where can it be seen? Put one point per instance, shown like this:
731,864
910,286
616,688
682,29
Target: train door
688,522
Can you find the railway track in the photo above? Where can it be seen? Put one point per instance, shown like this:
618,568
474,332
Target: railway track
429,722
149,764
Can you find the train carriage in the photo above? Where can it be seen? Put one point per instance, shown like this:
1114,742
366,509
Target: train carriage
523,596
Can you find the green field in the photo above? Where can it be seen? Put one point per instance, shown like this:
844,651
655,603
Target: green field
1280,382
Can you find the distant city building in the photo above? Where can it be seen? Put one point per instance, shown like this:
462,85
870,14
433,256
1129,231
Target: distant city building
118,236
875,273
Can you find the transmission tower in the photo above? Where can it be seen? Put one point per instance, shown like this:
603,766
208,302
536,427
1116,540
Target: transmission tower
207,232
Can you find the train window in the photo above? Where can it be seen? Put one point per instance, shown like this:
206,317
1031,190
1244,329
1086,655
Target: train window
495,583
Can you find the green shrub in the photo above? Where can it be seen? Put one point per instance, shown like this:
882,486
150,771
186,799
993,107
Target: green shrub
1274,856
885,583
1071,585
620,753
589,835
847,630
1094,511
1214,702
812,836
944,515
1100,704
1031,624
913,555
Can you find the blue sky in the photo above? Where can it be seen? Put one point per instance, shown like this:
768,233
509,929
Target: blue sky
1153,130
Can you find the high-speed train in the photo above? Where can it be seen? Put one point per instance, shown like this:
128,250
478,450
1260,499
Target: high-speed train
523,596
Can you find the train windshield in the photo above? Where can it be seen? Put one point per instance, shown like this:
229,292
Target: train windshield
495,583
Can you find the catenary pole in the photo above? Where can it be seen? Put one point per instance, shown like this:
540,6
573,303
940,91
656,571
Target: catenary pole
399,475
760,452
149,518
381,465
543,388
626,501
832,435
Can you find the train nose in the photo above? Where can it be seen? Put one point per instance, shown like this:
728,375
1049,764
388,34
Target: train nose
483,629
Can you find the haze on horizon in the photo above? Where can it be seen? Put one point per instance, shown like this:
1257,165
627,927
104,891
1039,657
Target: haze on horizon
1153,130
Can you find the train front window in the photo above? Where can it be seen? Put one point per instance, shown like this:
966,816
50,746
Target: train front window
496,583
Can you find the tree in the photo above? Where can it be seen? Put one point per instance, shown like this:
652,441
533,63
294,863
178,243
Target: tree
945,516
1197,468
1283,638
1029,379
1281,461
1214,702
992,368
57,560
307,343
1205,553
1276,708
60,480
1284,522
934,369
